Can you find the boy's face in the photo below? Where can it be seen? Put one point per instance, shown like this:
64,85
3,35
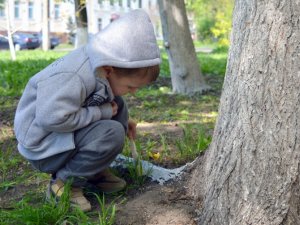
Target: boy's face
122,85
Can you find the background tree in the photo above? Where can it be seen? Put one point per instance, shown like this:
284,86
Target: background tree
5,7
81,22
45,28
71,26
185,71
213,19
250,174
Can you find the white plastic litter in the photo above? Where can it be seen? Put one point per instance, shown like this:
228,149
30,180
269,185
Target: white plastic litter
156,173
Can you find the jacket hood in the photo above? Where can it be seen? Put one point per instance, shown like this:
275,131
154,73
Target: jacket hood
127,42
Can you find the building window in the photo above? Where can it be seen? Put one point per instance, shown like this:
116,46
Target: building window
56,11
30,10
128,3
111,2
99,24
140,3
100,2
17,9
120,3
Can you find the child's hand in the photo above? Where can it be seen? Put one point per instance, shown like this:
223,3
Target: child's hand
131,133
114,106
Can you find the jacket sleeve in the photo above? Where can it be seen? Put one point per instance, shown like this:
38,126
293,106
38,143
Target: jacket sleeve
59,104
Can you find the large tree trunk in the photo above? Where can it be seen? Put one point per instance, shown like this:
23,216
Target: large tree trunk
81,22
184,66
250,173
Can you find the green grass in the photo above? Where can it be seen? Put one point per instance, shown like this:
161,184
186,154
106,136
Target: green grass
54,212
63,46
213,63
107,213
205,44
195,140
210,63
47,212
135,174
15,74
155,105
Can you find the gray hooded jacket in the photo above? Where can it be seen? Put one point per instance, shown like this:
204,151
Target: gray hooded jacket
53,104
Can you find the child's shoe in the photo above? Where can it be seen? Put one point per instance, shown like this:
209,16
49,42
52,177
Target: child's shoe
56,189
107,182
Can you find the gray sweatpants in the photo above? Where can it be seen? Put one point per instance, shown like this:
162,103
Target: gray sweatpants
97,145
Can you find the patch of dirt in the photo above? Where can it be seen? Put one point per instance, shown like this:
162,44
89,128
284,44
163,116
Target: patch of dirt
7,110
157,205
156,129
16,193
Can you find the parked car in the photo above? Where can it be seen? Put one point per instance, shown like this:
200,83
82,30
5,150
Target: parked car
54,41
21,41
3,42
25,41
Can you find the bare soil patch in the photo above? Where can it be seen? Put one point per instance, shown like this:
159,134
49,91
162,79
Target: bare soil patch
157,204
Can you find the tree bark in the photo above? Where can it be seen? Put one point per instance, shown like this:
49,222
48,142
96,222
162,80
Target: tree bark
46,22
184,67
250,173
9,32
81,22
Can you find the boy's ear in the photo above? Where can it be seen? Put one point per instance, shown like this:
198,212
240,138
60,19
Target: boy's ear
108,70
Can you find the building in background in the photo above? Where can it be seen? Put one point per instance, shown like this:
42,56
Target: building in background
26,15
102,12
